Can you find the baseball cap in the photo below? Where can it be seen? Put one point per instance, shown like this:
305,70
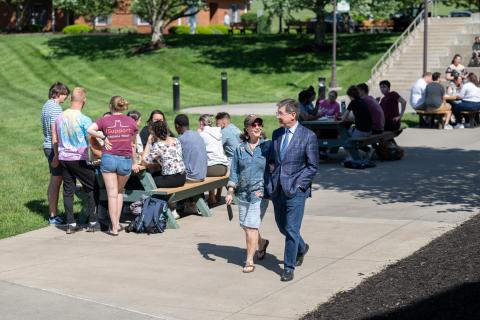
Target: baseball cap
251,119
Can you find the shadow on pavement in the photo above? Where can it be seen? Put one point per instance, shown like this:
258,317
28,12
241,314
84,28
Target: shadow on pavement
236,256
425,177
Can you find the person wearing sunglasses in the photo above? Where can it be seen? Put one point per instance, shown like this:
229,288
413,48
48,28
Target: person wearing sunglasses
247,182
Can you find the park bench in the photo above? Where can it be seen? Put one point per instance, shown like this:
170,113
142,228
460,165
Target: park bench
431,119
299,26
473,117
377,26
242,27
171,195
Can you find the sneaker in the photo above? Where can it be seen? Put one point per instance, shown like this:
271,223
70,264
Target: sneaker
72,228
459,126
175,214
56,220
92,227
447,127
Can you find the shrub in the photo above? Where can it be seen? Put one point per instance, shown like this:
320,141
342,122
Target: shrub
33,28
179,30
249,18
204,30
77,29
264,24
219,29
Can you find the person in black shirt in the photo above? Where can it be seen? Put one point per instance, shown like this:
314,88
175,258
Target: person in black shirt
363,120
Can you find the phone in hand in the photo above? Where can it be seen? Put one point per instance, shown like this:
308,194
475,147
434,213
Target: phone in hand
229,212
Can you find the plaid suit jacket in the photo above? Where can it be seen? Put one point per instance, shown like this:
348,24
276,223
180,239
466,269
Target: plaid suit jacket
298,167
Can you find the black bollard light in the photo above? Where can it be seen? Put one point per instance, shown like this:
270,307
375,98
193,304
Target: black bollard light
176,93
321,88
224,87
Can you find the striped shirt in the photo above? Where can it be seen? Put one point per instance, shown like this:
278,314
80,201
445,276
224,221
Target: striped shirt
50,111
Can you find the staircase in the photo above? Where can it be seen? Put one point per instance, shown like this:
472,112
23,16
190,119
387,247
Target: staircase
404,65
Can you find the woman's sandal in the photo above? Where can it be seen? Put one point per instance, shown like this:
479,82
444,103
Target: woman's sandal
248,268
262,253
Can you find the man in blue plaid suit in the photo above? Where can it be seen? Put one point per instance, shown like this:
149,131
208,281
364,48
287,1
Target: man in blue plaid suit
293,163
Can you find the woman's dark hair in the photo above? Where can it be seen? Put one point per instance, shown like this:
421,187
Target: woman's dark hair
306,94
455,57
160,130
245,137
472,77
154,112
353,92
134,114
108,113
58,89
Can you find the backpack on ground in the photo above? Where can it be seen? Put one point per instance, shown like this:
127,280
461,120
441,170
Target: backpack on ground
152,219
389,150
358,164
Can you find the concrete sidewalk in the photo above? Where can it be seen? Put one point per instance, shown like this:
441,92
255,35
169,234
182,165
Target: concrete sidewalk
357,222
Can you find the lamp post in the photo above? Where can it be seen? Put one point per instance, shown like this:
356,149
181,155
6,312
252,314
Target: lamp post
53,18
425,35
176,93
333,82
321,88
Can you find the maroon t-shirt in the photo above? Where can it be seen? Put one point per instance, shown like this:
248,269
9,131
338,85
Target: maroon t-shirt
389,105
376,112
120,130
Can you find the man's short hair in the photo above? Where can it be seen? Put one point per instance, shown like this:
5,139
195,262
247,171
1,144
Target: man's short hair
353,92
58,89
426,74
385,83
363,87
78,94
182,121
290,106
436,76
222,115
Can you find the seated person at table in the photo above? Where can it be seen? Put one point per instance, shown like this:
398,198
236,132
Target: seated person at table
456,68
470,95
329,107
155,115
137,116
217,161
454,88
166,151
376,112
389,104
417,93
308,111
363,120
230,134
434,102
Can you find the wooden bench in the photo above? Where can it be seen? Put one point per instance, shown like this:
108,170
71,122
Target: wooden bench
472,117
431,119
171,195
355,143
299,26
242,27
377,26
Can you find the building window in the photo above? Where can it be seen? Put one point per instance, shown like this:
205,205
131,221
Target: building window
234,13
101,21
141,22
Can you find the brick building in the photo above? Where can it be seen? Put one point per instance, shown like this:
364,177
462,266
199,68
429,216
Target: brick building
40,13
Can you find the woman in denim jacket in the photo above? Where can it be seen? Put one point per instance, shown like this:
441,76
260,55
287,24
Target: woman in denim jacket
247,176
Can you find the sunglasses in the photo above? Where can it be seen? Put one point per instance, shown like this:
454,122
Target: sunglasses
256,125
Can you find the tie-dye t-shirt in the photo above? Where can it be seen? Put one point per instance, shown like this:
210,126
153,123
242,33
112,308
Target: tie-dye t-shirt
71,127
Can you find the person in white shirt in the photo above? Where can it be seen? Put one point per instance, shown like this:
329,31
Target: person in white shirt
417,93
470,95
226,19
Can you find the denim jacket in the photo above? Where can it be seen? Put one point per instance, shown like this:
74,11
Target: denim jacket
247,173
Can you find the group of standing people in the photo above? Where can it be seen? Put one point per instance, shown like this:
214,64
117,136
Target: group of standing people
280,170
462,93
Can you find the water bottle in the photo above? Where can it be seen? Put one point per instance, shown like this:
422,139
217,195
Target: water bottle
343,107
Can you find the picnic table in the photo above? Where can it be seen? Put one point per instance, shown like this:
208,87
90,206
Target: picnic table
333,134
171,195
434,118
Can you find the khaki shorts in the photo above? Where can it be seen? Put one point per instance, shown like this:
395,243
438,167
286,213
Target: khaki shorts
444,107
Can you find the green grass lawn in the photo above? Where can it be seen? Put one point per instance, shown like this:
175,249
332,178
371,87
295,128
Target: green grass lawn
260,69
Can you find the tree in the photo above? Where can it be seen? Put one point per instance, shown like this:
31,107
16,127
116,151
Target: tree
22,8
89,9
318,7
278,8
160,13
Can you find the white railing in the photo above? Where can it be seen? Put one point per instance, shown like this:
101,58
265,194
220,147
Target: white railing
382,63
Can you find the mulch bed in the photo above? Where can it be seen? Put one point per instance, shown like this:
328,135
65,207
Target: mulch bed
439,281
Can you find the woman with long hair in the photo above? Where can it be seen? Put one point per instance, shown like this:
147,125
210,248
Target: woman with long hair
470,99
118,155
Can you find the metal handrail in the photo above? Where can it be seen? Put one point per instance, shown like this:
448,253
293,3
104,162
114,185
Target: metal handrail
398,42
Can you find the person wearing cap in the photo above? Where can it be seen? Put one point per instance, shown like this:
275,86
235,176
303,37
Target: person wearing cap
292,163
247,182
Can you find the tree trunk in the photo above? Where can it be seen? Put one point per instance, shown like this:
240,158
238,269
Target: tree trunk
280,23
158,40
319,41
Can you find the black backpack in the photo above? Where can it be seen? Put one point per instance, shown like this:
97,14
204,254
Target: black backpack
152,219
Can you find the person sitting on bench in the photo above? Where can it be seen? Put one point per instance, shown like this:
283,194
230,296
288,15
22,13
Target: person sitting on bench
363,120
166,151
376,112
434,102
470,95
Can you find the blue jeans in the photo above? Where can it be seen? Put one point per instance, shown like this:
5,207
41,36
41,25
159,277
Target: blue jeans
116,164
289,215
464,106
